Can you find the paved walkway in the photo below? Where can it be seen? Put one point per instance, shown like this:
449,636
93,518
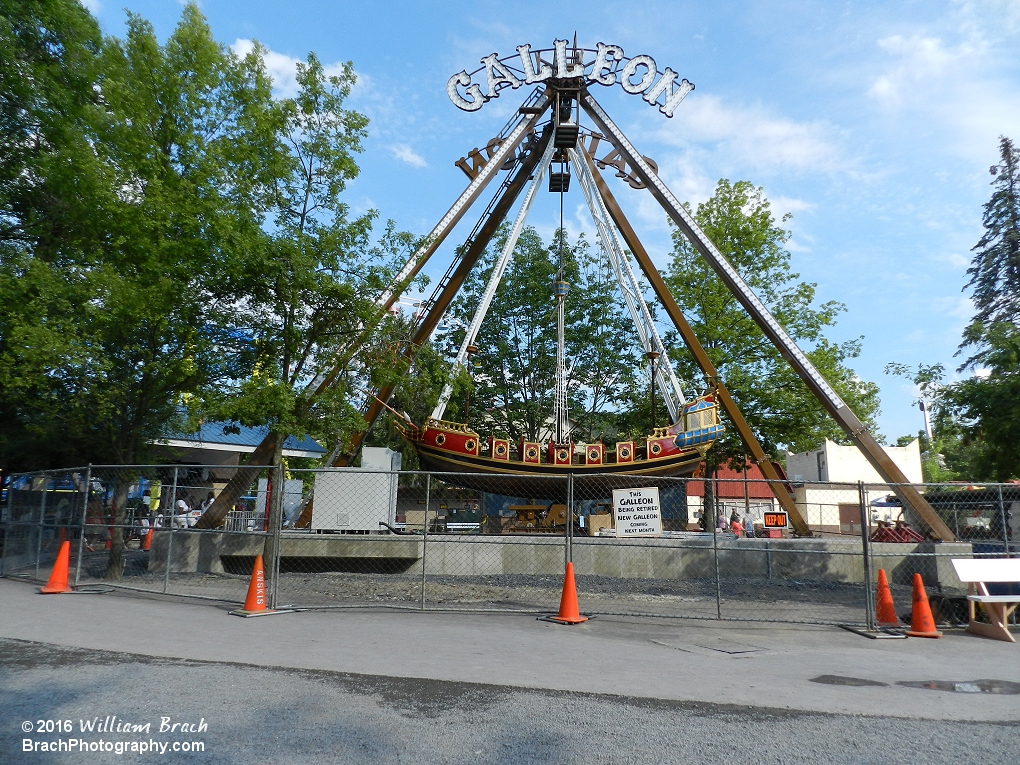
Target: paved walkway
751,665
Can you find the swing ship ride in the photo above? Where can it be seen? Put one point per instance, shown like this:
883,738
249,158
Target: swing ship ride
528,468
545,138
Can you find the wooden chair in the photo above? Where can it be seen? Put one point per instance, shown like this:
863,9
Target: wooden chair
978,573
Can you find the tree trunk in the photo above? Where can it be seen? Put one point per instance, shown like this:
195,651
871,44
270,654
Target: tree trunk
264,455
115,564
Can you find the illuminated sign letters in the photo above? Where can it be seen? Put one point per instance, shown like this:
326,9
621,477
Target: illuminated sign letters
606,65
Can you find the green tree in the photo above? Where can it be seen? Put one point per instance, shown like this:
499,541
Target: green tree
49,59
779,408
951,454
163,196
976,426
986,406
125,299
995,268
513,371
307,287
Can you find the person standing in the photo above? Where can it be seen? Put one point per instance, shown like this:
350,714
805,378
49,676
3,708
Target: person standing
179,520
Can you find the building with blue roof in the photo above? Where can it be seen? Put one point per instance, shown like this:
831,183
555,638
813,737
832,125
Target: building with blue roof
224,443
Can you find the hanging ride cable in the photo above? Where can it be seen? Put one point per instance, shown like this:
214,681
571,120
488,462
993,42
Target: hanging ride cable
668,383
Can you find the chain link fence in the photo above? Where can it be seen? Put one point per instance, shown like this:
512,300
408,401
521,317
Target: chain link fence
347,538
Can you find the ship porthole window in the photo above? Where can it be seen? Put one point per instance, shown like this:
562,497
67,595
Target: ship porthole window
469,445
593,455
625,452
440,439
561,455
531,454
656,448
501,450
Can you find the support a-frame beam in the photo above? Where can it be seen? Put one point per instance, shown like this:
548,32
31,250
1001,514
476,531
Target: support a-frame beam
817,384
666,299
498,269
431,319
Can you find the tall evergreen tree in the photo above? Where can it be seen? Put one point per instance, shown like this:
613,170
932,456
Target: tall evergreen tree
514,378
986,407
995,268
976,426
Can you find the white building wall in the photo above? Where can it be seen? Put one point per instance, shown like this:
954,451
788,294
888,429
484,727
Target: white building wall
834,463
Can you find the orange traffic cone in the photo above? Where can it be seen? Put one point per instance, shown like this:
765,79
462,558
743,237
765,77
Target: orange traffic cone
885,609
256,600
569,613
147,540
255,603
58,578
921,622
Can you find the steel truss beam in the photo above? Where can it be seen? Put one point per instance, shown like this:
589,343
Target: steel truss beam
817,384
498,269
665,376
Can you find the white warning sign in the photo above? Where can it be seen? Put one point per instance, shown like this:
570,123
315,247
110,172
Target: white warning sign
637,512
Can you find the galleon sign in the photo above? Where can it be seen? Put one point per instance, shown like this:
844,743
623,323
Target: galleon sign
606,65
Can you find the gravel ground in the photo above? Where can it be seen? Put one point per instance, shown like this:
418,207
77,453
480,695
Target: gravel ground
771,600
270,715
785,600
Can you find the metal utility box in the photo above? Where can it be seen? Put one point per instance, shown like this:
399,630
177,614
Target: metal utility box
358,500
292,491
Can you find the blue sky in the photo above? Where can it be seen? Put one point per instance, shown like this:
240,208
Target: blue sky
873,123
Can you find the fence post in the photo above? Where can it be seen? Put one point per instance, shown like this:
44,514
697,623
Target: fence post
869,592
273,540
715,552
1005,526
42,516
5,527
84,518
425,539
170,539
568,533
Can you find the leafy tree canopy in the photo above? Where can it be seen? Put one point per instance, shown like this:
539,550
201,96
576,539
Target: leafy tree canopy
172,238
513,371
779,408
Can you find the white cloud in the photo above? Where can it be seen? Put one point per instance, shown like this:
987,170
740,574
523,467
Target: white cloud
753,136
282,69
781,205
405,153
919,60
967,86
954,260
957,306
